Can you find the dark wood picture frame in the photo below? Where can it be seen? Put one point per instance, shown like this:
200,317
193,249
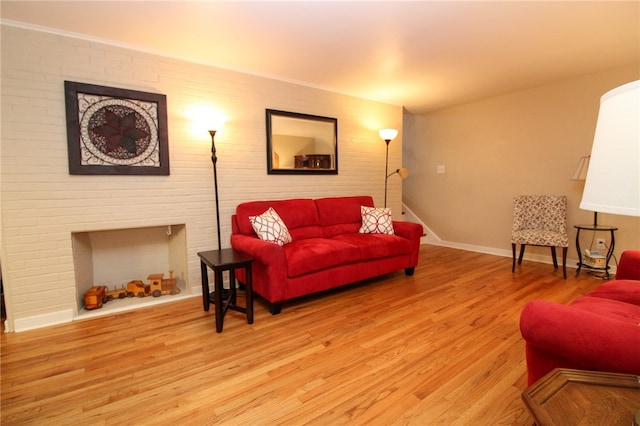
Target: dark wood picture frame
311,143
113,131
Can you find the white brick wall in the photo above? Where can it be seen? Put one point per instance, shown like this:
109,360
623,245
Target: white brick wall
42,204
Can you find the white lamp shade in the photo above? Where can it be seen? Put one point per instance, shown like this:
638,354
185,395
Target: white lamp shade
613,178
581,170
388,134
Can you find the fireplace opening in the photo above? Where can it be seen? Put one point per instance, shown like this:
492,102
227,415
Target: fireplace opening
114,258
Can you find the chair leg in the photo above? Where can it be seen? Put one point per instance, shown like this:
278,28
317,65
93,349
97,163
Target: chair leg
554,257
521,253
513,250
564,262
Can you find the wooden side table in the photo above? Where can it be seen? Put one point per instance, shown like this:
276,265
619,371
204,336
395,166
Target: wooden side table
575,397
220,261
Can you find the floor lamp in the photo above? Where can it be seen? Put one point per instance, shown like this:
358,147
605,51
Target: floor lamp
403,172
214,160
613,178
387,135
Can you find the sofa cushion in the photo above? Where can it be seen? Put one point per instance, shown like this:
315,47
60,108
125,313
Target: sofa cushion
376,246
376,221
341,215
300,216
270,227
623,290
612,309
314,254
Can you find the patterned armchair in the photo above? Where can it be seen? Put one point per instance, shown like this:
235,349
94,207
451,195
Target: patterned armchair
540,220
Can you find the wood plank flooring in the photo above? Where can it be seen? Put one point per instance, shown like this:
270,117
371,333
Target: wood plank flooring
442,347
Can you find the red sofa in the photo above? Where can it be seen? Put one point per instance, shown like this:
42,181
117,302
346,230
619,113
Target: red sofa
327,250
599,331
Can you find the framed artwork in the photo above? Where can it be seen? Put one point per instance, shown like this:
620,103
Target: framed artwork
113,131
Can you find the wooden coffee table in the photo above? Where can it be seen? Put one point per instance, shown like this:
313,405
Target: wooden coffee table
576,397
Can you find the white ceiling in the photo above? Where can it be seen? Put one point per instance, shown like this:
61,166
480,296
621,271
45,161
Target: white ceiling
424,55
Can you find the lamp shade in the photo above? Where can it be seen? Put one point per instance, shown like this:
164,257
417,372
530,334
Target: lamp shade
388,134
581,170
613,178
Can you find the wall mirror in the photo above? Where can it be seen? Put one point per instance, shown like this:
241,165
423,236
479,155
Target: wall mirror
301,143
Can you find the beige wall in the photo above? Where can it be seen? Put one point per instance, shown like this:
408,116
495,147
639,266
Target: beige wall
42,204
527,142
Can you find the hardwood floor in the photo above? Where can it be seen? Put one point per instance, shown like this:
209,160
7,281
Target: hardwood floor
442,347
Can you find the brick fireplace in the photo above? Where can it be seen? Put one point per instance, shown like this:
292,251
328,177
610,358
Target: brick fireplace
113,257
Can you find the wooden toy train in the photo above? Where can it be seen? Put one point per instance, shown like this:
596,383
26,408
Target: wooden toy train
96,296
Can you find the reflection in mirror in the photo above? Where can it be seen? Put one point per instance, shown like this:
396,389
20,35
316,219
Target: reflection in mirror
301,143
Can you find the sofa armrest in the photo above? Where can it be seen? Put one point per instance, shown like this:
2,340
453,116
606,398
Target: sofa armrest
262,251
412,232
409,230
582,337
629,265
269,268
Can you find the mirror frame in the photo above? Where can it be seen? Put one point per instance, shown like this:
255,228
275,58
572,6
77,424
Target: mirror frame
272,114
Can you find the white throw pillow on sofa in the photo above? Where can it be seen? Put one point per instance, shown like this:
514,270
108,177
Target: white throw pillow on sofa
270,227
376,220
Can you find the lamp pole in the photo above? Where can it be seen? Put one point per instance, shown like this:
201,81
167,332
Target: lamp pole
214,160
387,135
386,171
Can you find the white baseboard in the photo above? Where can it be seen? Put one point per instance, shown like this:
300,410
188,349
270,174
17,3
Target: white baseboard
67,316
430,237
433,239
44,320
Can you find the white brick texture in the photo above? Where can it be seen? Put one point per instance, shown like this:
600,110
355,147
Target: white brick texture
42,204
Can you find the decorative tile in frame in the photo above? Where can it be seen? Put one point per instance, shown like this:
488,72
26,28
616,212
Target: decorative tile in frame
113,131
